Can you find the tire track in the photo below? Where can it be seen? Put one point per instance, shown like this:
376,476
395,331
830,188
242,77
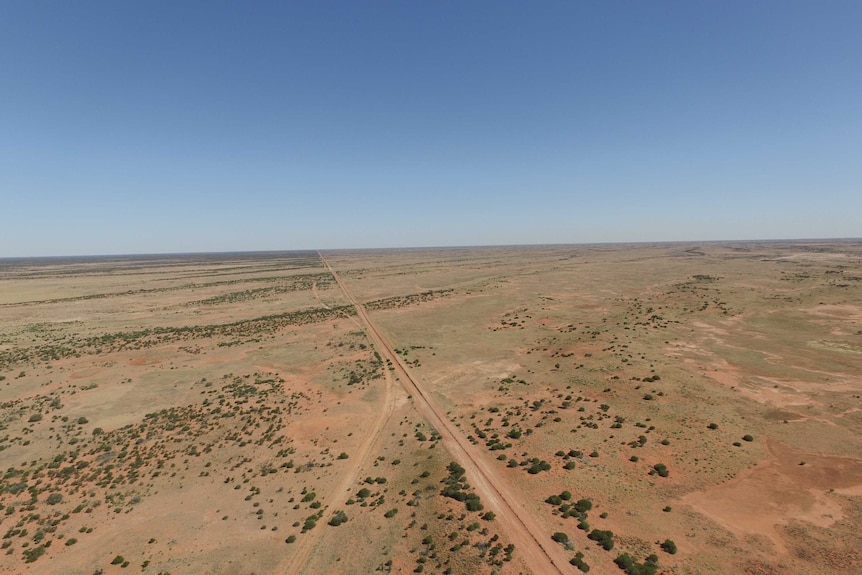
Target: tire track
522,529
305,545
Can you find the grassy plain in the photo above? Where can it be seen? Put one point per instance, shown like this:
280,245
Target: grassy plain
228,413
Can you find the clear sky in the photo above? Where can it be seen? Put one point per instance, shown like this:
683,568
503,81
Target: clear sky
164,126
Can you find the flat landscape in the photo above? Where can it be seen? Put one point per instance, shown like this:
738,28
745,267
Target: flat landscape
686,408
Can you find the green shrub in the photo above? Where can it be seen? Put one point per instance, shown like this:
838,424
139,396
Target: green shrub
661,469
578,561
537,465
669,546
473,503
310,523
604,538
632,567
34,553
337,519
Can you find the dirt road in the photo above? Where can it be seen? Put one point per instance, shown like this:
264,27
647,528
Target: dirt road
305,545
531,541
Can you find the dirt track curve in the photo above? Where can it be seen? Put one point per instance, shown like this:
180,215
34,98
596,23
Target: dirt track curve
529,538
303,550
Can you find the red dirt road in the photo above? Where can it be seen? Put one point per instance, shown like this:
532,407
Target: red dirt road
530,539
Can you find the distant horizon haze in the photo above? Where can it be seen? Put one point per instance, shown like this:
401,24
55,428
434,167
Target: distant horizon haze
277,252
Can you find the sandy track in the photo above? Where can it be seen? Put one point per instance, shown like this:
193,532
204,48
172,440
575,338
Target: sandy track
306,544
317,295
529,538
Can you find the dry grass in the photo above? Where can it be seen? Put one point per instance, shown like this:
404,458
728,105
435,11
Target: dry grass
181,409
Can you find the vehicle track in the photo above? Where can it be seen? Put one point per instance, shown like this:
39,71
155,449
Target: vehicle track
305,545
521,528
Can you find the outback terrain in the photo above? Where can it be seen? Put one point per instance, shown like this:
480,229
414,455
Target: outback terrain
640,409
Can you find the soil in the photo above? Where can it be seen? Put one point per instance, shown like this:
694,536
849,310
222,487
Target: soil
299,412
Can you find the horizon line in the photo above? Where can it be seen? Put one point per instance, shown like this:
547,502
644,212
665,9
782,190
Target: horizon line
420,247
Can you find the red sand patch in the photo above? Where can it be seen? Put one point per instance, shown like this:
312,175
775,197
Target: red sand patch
788,486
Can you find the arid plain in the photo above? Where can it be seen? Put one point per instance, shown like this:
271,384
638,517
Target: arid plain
673,408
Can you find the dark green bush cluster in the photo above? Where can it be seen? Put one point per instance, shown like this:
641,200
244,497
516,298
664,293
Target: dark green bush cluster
455,483
640,442
632,567
578,509
33,553
311,521
337,519
536,465
604,538
578,561
554,500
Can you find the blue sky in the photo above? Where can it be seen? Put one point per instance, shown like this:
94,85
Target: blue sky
146,127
